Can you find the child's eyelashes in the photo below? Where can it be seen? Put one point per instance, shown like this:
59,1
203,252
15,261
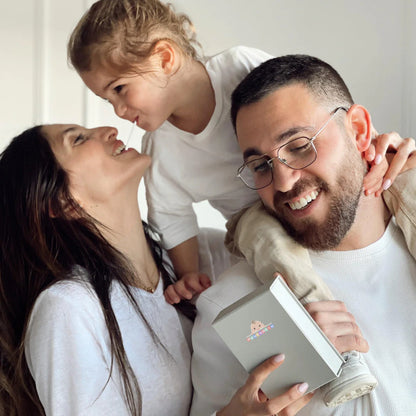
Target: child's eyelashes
118,89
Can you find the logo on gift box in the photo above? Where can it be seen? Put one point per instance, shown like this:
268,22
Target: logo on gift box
258,329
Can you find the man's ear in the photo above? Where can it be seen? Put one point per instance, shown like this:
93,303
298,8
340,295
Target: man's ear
360,123
166,55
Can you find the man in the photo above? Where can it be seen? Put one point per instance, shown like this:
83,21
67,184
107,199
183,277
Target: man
312,183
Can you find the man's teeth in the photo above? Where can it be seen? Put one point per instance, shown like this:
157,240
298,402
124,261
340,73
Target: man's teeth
303,201
119,150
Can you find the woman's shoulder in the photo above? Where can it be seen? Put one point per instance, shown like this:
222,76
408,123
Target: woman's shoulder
73,296
68,309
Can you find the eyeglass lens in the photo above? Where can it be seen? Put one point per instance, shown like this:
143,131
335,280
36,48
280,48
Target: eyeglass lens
296,154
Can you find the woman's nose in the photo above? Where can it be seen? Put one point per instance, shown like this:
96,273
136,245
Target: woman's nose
111,133
106,133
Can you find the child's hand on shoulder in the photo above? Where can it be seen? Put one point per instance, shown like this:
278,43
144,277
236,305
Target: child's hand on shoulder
388,156
189,285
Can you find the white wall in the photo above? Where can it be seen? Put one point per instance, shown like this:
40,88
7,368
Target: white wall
370,42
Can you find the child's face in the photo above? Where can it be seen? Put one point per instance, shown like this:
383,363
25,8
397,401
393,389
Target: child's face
145,99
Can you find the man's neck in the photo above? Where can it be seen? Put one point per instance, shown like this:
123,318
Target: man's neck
369,225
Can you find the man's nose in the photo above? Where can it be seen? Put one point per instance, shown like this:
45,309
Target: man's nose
284,177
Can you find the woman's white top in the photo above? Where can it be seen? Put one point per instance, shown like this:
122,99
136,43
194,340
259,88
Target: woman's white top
68,352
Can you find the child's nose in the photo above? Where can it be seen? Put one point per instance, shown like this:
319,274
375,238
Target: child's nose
120,109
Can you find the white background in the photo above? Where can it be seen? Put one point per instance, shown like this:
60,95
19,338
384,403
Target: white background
370,42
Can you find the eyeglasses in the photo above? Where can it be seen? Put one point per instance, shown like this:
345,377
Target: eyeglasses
296,154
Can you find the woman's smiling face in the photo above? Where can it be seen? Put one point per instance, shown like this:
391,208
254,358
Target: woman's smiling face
97,165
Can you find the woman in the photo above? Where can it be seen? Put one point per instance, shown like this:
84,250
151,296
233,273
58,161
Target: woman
85,328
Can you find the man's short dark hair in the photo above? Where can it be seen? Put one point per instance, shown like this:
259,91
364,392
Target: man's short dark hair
325,84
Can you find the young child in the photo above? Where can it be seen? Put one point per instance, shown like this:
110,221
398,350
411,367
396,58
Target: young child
141,57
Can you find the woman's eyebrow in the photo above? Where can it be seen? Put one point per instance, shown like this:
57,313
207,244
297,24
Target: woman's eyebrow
69,130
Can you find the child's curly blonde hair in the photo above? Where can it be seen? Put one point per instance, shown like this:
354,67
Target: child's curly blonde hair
121,34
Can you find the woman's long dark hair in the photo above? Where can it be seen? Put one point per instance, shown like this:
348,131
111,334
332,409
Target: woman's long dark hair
39,245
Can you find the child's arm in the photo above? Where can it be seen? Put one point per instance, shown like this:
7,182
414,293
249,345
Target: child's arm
185,260
400,199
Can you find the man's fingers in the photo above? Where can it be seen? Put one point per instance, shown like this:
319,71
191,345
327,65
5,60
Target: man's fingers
346,336
338,325
326,306
351,342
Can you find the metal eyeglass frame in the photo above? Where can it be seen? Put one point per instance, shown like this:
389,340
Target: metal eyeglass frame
283,161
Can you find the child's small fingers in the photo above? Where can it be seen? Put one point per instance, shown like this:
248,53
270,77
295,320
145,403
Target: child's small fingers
370,153
167,298
387,141
182,290
402,160
374,178
194,286
171,295
411,161
204,280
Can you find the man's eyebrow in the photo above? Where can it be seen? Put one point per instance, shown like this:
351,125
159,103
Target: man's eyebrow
282,137
251,151
287,134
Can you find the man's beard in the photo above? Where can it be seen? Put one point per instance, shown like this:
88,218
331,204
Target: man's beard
343,203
